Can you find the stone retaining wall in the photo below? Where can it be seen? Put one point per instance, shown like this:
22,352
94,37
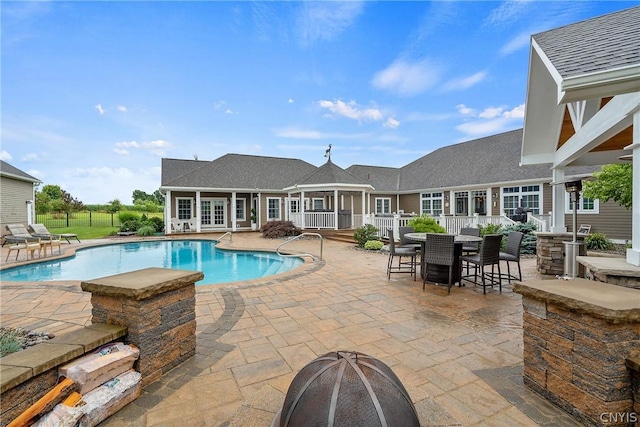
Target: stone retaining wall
576,344
550,252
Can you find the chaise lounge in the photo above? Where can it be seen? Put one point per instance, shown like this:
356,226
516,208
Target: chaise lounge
39,230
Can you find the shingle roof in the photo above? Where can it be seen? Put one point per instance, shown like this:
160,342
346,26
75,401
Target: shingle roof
598,44
236,171
7,169
383,179
329,173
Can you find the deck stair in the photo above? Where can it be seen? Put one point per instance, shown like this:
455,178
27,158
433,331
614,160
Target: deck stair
345,235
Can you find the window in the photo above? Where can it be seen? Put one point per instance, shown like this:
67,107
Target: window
462,202
479,202
241,209
431,204
585,205
526,196
294,205
184,208
273,208
318,204
383,205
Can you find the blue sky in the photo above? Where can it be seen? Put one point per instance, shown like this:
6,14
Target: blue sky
94,94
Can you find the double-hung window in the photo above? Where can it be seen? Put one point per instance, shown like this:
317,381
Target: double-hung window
526,196
431,204
273,208
383,205
184,208
585,205
241,209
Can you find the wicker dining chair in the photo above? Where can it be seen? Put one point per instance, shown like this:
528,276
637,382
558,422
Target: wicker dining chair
470,248
398,252
512,253
489,255
439,249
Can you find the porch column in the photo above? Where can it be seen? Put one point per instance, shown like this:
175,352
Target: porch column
633,253
353,211
364,205
232,208
335,209
198,212
302,225
167,212
557,201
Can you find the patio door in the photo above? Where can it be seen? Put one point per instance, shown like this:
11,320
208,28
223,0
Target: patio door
213,213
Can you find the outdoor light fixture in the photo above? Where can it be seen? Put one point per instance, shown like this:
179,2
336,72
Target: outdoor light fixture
573,186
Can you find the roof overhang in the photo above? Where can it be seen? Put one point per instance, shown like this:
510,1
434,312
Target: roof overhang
329,187
20,178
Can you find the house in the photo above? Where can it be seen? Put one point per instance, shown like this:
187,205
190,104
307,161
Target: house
456,183
583,105
17,198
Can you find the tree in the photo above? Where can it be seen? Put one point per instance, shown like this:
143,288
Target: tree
613,182
54,198
114,206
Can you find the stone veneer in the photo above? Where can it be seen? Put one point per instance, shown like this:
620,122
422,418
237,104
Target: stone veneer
615,271
158,308
579,336
550,252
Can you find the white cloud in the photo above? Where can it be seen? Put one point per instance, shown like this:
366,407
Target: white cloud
507,13
32,157
520,41
493,120
391,123
127,144
491,112
464,110
100,109
5,156
351,110
290,101
87,184
407,79
121,151
228,111
157,147
122,108
465,82
325,20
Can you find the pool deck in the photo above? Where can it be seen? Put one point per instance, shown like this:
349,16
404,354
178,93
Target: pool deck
459,356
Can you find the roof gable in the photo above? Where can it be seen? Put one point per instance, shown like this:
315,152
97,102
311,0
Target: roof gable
13,172
329,173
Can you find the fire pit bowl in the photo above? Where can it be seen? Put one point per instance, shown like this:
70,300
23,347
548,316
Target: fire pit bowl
346,388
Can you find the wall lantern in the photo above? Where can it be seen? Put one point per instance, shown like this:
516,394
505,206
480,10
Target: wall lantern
495,195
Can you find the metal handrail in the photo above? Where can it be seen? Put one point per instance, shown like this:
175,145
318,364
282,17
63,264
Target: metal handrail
225,234
298,237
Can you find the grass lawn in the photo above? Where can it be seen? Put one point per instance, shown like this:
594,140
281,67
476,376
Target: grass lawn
85,233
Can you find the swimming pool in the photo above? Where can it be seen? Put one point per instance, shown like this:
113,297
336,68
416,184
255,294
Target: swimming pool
218,266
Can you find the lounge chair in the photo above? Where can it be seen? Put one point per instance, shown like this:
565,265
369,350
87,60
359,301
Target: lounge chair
39,230
28,246
19,234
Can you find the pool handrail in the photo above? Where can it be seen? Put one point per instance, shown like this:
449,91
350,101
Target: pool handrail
225,234
296,238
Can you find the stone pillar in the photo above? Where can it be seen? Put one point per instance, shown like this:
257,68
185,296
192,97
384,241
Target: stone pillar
158,308
550,253
578,337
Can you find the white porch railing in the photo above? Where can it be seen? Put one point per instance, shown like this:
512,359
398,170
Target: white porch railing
542,221
314,220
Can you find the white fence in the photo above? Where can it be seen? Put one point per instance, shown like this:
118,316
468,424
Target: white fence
314,220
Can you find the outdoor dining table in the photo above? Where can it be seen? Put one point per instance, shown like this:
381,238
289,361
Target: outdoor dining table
440,273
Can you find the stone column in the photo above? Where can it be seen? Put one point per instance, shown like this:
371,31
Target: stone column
158,308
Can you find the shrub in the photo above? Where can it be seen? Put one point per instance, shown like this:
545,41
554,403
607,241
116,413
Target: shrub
373,245
155,222
128,216
279,229
130,225
598,241
9,343
426,224
490,229
364,234
146,230
528,245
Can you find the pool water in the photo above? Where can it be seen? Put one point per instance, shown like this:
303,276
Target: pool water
218,266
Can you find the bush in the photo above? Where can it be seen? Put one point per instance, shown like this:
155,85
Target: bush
490,229
279,229
373,245
598,242
130,225
155,222
9,344
128,216
426,224
146,230
364,234
528,245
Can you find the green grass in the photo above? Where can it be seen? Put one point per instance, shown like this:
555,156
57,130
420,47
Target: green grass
85,233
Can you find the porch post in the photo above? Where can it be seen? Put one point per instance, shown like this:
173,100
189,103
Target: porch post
167,212
364,205
302,224
633,253
335,209
198,213
232,208
557,201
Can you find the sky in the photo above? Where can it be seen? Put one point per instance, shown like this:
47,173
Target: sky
95,94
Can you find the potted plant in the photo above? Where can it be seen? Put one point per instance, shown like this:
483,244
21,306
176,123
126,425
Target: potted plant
254,219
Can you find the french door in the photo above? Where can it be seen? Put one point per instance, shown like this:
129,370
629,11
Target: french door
213,213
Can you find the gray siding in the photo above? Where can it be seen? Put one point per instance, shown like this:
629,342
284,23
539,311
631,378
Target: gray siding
613,220
13,201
